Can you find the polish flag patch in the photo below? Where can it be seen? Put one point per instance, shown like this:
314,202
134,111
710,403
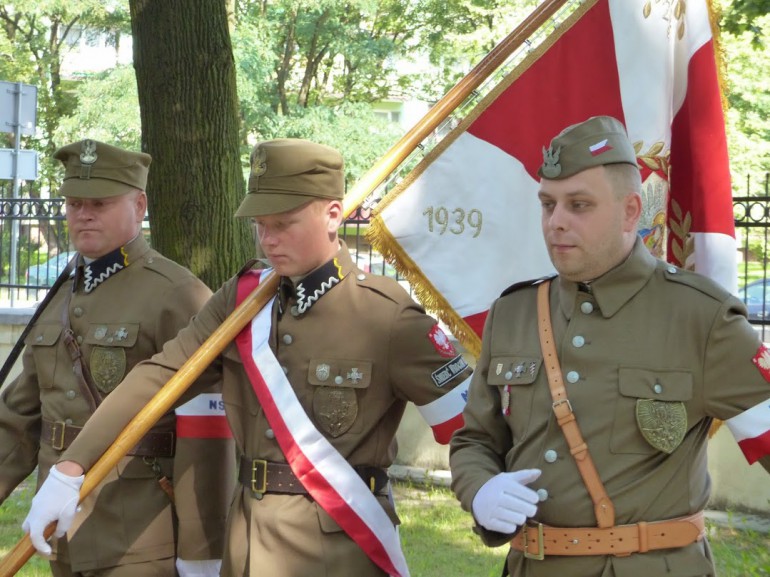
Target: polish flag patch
751,430
762,361
441,342
600,148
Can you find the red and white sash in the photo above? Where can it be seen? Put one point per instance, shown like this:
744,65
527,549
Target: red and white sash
326,475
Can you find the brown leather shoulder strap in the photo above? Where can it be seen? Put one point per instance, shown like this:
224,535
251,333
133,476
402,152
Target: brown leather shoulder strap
603,507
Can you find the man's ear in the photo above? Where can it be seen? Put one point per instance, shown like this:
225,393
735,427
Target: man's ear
334,212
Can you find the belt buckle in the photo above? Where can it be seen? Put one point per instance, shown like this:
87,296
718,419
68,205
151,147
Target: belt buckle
57,441
540,555
258,477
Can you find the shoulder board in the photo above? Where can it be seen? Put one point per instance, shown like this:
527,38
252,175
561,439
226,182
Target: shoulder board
697,281
526,283
387,287
158,263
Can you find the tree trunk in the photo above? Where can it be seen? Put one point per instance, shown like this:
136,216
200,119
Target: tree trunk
189,110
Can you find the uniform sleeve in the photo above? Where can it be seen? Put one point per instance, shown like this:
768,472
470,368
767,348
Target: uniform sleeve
20,420
737,381
204,459
477,451
146,379
429,371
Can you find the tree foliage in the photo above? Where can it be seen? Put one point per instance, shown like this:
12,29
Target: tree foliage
34,37
746,16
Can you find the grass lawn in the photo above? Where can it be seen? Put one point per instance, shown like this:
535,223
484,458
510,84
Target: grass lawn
438,541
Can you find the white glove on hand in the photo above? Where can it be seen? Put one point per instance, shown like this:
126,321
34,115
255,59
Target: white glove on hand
204,568
504,502
57,500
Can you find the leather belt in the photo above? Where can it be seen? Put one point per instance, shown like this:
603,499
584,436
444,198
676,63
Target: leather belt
60,435
262,477
538,540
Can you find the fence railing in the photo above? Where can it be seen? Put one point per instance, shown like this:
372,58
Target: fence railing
33,231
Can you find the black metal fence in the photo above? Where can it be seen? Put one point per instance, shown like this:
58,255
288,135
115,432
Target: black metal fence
34,246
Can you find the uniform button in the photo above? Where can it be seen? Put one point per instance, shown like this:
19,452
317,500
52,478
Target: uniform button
586,308
542,495
361,276
39,339
270,434
578,341
508,375
294,310
658,388
338,380
77,311
79,339
550,456
149,260
70,394
573,377
285,370
287,339
67,421
672,269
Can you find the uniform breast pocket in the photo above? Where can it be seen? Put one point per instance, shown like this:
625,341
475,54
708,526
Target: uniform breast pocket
109,346
42,340
651,410
514,378
335,386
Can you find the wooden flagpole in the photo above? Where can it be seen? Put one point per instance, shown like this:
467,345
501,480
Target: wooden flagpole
165,398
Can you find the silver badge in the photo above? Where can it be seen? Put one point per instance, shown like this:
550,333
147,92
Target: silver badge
551,167
88,157
100,333
499,368
121,334
354,375
322,372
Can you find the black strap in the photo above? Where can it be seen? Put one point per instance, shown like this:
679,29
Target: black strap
17,348
79,368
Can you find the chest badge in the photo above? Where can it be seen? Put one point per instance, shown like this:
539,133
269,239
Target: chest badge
663,424
335,409
322,372
108,367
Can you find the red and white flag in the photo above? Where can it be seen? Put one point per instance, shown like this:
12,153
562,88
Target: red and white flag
465,223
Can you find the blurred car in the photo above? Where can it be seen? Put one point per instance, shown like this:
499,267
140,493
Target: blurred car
756,297
46,273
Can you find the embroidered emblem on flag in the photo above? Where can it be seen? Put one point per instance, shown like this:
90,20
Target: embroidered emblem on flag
762,360
599,148
441,342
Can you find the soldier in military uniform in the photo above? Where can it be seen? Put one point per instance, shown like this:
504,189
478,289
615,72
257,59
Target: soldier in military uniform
314,388
589,410
123,301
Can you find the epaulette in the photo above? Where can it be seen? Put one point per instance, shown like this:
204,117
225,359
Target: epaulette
385,286
696,281
526,283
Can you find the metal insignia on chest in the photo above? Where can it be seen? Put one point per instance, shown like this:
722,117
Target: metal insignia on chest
663,424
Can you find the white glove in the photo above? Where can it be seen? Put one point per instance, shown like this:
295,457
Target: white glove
57,500
204,568
504,502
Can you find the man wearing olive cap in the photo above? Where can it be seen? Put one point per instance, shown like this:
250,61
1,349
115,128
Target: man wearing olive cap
589,428
123,301
314,388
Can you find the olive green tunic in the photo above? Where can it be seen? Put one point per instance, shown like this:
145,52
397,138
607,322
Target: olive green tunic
645,331
365,321
122,321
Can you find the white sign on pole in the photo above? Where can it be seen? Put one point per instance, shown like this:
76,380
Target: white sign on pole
26,166
28,110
